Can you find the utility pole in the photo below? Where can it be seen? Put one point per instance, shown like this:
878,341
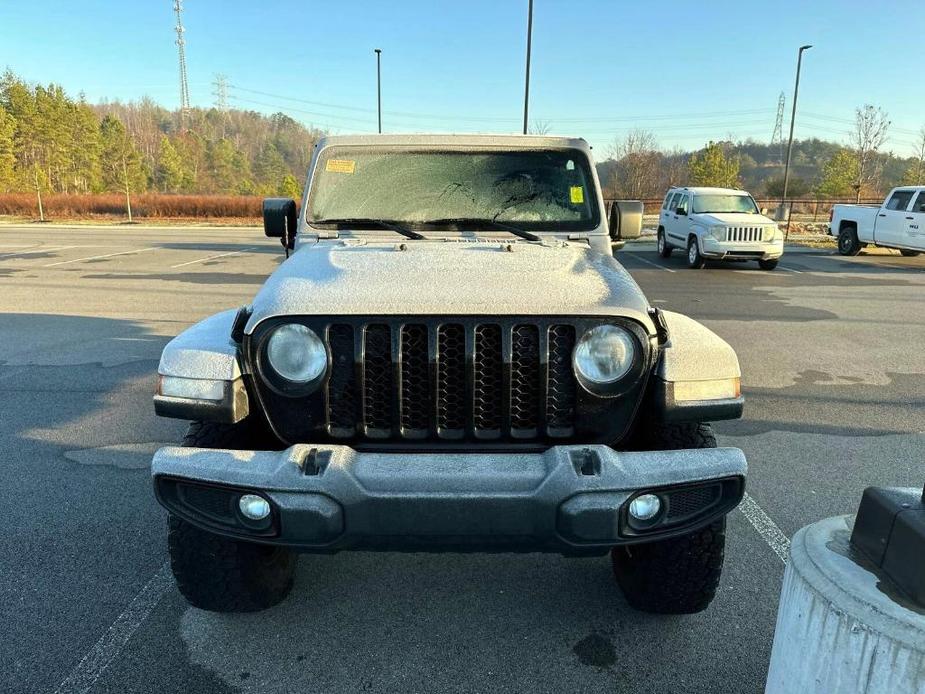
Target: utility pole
379,86
527,83
181,51
793,116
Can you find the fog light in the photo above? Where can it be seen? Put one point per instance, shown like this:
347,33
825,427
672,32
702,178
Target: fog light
254,507
645,507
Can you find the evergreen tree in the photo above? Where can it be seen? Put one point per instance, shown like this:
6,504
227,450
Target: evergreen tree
229,169
290,188
169,175
711,167
839,175
7,152
269,169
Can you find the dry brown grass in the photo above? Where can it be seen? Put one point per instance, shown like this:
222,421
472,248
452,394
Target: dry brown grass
149,206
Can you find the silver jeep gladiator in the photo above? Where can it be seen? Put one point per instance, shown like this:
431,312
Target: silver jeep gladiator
450,360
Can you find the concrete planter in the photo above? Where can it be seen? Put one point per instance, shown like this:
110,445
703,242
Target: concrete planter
839,630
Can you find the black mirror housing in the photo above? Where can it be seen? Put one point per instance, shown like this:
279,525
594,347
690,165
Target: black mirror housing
279,220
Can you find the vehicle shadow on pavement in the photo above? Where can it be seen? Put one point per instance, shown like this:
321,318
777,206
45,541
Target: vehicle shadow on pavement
225,278
419,622
256,245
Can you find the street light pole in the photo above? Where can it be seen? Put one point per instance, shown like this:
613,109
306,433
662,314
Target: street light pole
527,84
793,115
379,86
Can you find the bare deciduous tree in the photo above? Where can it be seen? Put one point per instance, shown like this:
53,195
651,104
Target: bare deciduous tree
540,127
871,126
639,164
918,176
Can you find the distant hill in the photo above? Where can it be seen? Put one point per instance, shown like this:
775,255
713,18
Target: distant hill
761,170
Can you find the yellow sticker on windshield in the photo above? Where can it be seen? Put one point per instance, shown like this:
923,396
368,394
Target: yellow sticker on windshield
576,195
341,166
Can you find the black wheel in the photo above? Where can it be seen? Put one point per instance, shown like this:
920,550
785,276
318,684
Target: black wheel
908,254
664,250
848,243
678,575
217,573
695,261
768,264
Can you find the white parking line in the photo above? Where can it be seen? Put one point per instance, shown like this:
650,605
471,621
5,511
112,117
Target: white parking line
649,262
5,254
99,257
766,527
790,269
110,644
213,257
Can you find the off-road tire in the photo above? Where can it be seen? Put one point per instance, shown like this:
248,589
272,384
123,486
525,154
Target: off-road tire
678,575
695,261
848,243
217,573
248,434
908,254
767,264
664,249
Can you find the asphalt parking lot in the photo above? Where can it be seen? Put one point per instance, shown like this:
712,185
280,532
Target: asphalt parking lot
834,376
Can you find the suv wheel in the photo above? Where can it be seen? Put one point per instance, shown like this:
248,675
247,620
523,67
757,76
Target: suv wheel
848,243
217,573
678,575
695,261
908,254
664,250
768,264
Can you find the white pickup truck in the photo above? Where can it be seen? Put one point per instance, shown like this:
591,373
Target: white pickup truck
898,223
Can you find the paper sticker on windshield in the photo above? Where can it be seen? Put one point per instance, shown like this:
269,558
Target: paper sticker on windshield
341,166
576,195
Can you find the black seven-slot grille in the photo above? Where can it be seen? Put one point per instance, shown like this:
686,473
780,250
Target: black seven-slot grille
410,380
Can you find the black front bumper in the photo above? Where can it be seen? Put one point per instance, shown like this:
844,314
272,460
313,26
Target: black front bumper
568,499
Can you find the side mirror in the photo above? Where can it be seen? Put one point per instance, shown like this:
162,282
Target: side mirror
764,211
279,220
682,213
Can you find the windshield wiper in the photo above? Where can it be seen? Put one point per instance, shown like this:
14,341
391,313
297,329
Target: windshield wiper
379,223
491,223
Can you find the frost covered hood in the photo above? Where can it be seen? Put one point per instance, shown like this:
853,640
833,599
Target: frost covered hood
449,278
731,219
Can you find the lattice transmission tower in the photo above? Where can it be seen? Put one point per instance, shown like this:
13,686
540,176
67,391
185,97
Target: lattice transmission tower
778,134
181,51
221,98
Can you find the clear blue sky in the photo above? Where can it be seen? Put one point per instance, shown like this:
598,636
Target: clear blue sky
688,71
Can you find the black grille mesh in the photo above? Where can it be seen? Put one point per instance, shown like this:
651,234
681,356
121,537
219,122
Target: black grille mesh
525,377
688,502
419,380
560,394
377,386
486,389
415,393
209,500
342,395
451,377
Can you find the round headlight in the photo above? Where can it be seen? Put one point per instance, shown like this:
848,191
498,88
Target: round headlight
604,354
296,353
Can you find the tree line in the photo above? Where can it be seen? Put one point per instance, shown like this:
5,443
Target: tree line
639,168
51,142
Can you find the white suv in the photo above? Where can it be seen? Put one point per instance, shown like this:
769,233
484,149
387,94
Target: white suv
717,224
